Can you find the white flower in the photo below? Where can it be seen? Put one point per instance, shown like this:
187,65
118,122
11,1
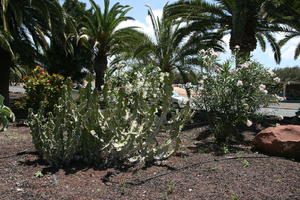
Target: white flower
271,72
202,51
84,36
279,98
280,117
246,64
265,91
246,106
166,74
93,132
218,69
249,123
277,79
212,52
237,47
228,90
239,83
262,87
96,44
204,77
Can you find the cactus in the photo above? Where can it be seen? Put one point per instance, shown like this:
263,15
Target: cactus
5,114
57,135
127,130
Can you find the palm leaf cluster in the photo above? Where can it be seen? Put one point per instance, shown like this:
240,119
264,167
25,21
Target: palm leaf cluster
174,48
245,21
287,12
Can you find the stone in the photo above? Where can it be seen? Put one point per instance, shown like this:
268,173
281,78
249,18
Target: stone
279,141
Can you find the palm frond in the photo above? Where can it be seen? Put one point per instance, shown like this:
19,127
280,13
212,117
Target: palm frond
275,47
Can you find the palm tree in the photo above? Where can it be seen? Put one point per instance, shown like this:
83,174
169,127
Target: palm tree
174,48
23,27
244,20
103,35
73,58
287,12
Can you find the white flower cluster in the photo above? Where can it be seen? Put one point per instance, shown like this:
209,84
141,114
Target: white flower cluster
249,123
208,52
279,98
245,65
239,83
262,88
208,57
271,72
237,47
276,79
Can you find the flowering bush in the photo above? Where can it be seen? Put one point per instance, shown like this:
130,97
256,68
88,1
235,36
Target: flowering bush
5,114
232,96
134,126
43,88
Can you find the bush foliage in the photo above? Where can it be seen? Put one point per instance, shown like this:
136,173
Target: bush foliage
43,89
134,126
233,95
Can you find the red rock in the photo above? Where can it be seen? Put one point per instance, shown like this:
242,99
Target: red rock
280,141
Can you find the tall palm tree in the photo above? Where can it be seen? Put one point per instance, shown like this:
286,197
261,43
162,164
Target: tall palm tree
287,12
103,35
23,27
244,20
73,58
173,47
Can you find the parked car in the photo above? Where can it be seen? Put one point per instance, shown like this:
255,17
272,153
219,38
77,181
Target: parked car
179,101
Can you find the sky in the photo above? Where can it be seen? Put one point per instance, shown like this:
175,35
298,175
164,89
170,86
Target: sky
139,13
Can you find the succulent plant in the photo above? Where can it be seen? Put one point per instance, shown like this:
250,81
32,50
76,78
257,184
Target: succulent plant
127,129
6,114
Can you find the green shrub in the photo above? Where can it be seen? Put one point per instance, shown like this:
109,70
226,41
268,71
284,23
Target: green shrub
133,127
232,96
5,114
43,89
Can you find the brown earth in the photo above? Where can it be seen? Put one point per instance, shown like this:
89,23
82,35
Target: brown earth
198,171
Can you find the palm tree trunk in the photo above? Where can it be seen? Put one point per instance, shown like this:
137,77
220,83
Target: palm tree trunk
241,52
243,40
5,65
100,68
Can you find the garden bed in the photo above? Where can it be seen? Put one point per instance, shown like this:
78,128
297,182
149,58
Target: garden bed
200,170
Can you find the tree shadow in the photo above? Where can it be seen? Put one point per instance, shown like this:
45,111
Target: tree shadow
73,167
217,149
205,142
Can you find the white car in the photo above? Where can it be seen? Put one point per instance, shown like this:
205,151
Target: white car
178,100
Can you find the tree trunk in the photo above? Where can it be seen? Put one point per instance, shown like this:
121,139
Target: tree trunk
100,68
5,65
242,38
